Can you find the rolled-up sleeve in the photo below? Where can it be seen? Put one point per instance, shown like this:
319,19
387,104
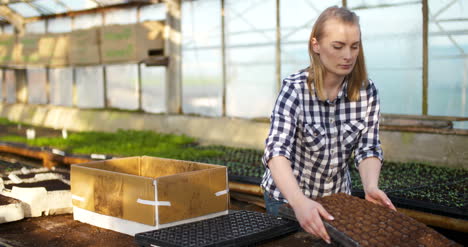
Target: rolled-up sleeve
283,124
369,142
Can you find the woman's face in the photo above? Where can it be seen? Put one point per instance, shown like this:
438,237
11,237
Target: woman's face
338,47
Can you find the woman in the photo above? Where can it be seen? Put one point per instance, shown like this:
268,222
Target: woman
323,114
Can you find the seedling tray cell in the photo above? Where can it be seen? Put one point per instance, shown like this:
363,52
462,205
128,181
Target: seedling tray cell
238,228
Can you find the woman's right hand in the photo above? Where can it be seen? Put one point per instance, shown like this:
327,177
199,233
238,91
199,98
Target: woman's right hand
308,214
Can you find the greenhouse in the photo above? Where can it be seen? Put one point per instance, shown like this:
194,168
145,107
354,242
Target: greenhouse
167,122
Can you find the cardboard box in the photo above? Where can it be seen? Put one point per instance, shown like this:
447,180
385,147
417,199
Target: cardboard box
60,51
131,43
7,43
84,47
34,49
155,192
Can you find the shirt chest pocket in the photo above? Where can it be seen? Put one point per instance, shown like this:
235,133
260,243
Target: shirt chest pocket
351,132
314,137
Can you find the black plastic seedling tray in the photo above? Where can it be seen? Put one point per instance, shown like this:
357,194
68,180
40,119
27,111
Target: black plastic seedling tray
238,228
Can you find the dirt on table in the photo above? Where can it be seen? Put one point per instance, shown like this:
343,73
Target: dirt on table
20,130
59,231
5,200
50,185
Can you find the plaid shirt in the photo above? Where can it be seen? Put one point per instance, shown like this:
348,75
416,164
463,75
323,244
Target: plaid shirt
318,137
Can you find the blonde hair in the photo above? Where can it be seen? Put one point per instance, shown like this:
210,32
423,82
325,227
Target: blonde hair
358,76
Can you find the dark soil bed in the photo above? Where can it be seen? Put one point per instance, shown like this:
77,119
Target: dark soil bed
50,185
62,230
65,175
20,130
5,200
59,231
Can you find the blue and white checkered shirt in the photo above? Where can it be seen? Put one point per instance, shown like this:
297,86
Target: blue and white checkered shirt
318,137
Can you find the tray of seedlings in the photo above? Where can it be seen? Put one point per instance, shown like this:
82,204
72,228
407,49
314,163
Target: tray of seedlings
448,199
358,222
244,165
432,189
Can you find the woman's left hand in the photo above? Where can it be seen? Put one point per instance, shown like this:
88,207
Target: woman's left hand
377,196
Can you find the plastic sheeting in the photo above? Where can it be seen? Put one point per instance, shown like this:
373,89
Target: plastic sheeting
61,86
9,86
296,26
120,16
122,86
89,87
153,85
37,86
153,12
87,21
250,60
35,27
59,25
202,78
448,63
392,47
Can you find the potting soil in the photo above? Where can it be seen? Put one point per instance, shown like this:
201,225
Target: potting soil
373,225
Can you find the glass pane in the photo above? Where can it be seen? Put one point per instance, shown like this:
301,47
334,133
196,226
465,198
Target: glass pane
392,46
10,86
202,63
153,85
250,58
37,86
376,3
35,27
2,97
202,82
59,25
122,81
448,60
8,29
111,2
24,9
121,16
53,6
79,5
87,21
296,25
89,87
153,12
61,86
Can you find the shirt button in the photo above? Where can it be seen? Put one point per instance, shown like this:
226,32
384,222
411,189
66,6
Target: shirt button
332,120
332,151
315,133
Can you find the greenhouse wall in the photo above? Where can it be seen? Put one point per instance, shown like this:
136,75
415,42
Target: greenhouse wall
232,64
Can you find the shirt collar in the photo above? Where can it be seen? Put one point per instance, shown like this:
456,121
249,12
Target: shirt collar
343,92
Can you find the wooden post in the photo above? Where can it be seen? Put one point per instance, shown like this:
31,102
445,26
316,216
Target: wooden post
223,56
21,86
47,69
74,90
278,46
425,69
173,51
139,86
104,73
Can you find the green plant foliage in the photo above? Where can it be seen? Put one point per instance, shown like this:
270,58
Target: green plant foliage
5,121
450,194
240,161
397,176
123,143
